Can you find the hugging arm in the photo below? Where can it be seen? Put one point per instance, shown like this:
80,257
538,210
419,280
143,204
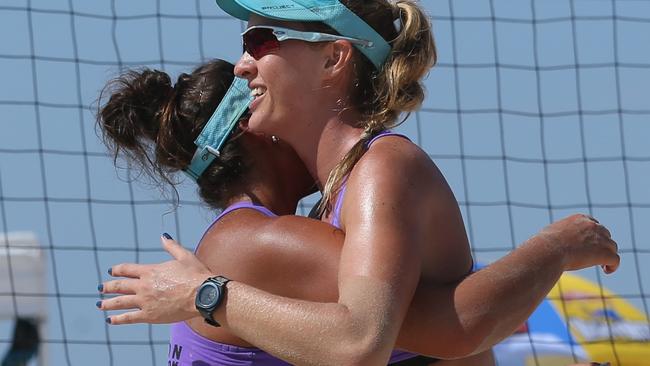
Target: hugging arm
449,321
446,321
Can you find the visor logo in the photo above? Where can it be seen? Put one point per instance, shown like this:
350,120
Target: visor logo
278,7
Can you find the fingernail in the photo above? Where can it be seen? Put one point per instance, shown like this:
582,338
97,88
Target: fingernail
99,304
108,320
100,288
110,271
167,236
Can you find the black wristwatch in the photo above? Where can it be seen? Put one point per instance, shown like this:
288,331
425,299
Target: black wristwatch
209,296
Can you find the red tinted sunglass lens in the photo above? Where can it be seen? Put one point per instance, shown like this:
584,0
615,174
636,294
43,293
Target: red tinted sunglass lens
260,41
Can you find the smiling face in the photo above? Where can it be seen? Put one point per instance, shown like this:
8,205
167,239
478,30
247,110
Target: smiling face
287,84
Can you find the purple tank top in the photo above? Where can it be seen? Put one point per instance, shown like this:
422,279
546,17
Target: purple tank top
188,348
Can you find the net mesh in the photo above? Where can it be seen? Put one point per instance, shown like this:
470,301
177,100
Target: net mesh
536,110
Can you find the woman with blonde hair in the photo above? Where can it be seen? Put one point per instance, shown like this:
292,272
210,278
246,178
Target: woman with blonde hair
154,125
330,78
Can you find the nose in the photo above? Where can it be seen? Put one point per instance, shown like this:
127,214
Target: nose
246,67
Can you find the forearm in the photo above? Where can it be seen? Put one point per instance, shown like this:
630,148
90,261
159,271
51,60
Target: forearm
511,289
456,320
305,333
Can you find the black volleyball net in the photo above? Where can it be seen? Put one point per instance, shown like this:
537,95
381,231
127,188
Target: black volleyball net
536,110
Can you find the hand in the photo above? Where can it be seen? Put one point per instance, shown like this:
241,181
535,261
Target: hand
584,242
163,293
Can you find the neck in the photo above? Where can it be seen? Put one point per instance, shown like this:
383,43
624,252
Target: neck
263,196
274,177
323,151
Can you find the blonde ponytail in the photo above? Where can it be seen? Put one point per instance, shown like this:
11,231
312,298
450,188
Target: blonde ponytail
340,172
399,86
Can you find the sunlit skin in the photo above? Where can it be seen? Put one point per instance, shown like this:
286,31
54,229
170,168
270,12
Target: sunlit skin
289,256
400,230
302,103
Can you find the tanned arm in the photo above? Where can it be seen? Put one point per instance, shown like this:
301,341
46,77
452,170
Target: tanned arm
488,304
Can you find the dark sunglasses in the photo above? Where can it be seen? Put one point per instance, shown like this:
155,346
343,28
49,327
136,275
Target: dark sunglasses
261,39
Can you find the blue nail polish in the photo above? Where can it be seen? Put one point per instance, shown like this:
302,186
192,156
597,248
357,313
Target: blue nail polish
167,236
100,288
99,304
108,320
110,271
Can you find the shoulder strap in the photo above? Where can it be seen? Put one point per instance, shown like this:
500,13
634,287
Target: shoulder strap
385,134
239,205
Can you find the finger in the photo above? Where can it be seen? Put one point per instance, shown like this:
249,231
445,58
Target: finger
613,259
125,287
592,219
611,268
123,302
604,231
131,317
608,233
613,245
173,248
131,270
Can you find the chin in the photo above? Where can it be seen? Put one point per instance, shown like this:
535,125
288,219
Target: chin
256,122
264,123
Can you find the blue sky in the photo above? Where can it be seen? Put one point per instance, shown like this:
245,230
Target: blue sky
530,141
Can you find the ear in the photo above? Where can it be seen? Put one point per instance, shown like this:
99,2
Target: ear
339,59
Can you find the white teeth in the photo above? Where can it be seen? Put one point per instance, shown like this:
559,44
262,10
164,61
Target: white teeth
258,91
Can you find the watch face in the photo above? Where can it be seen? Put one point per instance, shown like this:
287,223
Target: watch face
208,294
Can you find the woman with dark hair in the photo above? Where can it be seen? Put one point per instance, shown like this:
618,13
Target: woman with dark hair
329,78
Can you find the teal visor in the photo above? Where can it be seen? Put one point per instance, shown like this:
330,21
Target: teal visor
219,127
330,12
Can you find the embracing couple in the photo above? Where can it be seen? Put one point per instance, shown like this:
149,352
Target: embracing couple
382,272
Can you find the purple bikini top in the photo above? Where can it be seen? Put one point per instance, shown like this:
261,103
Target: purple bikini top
336,212
234,207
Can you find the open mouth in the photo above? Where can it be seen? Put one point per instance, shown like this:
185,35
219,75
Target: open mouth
257,93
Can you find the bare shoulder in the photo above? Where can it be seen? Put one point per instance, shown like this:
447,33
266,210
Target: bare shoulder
397,178
399,161
227,232
390,183
398,149
253,233
271,252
